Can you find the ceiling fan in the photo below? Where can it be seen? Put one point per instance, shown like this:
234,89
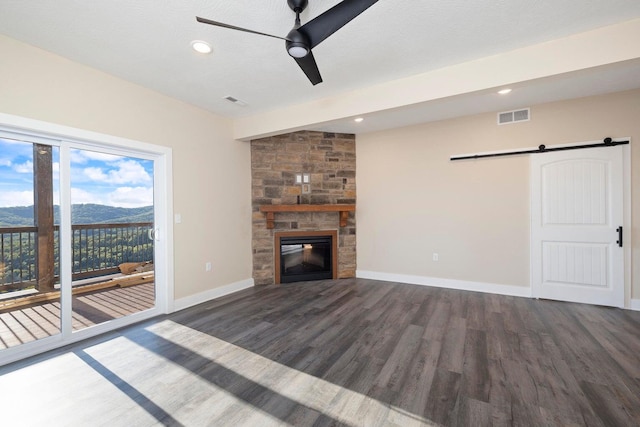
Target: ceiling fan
302,38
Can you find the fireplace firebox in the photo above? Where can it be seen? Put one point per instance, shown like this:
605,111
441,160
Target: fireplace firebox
305,255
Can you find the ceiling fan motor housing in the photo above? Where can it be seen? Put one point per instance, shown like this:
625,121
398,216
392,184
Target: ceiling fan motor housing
297,5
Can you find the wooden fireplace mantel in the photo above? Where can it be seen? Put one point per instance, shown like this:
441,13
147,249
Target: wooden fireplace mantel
270,211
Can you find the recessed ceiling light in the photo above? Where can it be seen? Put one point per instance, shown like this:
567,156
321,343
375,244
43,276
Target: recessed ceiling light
504,91
200,46
358,120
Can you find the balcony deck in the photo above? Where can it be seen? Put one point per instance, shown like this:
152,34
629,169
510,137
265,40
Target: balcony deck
29,296
29,323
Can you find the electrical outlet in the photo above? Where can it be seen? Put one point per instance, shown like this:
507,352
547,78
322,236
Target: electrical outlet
436,257
207,267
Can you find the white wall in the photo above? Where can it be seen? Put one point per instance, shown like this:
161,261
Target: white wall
211,171
413,201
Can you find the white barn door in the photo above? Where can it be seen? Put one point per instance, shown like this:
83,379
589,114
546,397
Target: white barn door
576,210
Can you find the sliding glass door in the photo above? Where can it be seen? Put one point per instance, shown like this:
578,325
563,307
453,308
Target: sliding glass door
29,242
79,239
112,224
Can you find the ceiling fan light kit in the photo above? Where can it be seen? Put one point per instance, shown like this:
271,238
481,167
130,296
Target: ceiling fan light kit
303,38
297,44
297,51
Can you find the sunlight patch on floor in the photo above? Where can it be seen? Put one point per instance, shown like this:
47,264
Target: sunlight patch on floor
63,391
337,402
189,399
129,380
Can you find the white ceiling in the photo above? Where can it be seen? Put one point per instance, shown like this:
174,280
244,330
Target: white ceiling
148,42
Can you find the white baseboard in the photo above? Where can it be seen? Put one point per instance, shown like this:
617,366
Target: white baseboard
190,301
463,285
635,305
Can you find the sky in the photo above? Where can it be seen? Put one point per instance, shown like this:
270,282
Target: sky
95,177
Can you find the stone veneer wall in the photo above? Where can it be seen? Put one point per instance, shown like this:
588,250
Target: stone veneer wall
330,159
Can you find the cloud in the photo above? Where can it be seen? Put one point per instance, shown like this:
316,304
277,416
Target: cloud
26,167
131,197
79,196
13,142
127,172
103,157
95,174
5,162
16,198
84,156
12,150
123,197
77,157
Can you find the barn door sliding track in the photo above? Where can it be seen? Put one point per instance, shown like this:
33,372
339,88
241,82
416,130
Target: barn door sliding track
607,142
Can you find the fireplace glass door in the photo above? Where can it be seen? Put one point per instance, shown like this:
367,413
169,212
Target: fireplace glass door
305,258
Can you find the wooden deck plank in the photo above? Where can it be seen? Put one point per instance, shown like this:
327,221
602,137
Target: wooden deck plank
29,323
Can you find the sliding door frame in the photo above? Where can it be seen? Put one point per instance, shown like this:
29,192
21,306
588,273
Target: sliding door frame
66,138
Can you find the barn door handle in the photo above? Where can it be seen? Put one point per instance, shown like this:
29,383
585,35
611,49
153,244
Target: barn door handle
619,241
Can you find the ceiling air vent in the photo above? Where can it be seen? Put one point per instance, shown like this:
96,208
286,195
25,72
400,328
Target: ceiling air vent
513,116
235,101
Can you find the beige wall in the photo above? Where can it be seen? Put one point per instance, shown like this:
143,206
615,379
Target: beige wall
413,201
600,47
211,174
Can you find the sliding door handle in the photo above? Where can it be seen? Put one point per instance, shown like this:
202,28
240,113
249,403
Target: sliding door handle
619,241
153,234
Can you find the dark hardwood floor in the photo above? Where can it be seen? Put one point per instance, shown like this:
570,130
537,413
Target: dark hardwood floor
347,352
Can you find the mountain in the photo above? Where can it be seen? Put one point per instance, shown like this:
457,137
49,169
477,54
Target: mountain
101,214
22,216
16,216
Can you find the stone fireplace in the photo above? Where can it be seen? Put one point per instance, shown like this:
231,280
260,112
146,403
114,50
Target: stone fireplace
325,204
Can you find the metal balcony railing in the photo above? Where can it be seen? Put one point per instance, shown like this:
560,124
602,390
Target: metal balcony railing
98,249
18,262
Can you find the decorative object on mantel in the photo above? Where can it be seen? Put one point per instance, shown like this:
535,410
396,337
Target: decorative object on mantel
270,211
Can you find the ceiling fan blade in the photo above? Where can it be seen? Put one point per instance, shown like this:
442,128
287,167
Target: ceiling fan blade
233,27
322,26
310,68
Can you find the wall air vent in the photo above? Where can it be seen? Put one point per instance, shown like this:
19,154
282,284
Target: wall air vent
514,116
236,101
